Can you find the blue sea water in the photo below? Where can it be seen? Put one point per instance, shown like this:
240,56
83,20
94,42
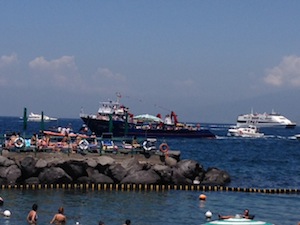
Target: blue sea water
269,162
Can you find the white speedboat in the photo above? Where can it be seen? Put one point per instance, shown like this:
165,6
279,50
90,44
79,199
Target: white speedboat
33,117
297,136
272,119
249,131
238,221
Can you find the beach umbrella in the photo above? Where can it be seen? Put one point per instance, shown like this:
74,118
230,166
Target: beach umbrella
42,122
110,125
237,221
147,118
25,119
126,124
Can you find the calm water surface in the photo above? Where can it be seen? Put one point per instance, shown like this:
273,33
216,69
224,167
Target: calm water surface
269,162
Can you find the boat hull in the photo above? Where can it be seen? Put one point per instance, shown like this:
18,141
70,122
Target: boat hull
119,129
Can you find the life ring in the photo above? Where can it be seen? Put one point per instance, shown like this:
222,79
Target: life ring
19,142
83,144
164,147
146,146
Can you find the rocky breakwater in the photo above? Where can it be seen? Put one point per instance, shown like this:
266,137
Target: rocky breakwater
60,168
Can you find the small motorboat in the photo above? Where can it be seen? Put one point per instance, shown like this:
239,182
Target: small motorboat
250,131
297,136
33,117
237,221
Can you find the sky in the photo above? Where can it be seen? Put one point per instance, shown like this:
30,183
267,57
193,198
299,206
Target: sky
208,61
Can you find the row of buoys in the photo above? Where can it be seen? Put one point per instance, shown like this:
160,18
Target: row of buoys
150,187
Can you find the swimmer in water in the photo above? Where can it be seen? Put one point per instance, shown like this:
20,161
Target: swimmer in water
32,215
59,218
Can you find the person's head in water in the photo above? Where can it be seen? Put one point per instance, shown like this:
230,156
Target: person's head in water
127,222
34,207
61,210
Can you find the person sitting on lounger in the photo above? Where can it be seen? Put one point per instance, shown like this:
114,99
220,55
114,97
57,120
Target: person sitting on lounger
245,215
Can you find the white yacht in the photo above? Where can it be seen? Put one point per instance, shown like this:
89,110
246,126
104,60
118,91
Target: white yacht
272,119
33,117
249,131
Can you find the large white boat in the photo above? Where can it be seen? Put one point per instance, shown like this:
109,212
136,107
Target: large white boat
249,131
272,119
33,117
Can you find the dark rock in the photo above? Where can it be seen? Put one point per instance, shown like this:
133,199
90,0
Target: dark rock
41,164
171,161
54,175
28,167
32,180
13,174
190,169
179,178
84,180
116,172
142,177
74,169
215,176
165,173
99,178
91,163
105,160
6,162
132,165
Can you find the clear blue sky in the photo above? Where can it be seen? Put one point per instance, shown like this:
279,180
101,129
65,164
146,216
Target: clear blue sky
209,61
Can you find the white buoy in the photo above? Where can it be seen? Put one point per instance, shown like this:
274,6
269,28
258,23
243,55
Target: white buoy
208,214
7,213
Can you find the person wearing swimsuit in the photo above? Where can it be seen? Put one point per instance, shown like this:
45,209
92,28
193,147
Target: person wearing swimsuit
59,218
32,215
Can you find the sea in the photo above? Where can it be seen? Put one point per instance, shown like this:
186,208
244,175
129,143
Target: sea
271,162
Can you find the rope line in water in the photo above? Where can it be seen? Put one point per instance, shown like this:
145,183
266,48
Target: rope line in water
150,187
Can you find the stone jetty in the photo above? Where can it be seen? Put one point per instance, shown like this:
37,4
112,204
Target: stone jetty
61,168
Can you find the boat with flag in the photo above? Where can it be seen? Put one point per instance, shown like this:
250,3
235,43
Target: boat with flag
115,118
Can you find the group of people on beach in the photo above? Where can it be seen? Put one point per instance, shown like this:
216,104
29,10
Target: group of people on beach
46,142
58,219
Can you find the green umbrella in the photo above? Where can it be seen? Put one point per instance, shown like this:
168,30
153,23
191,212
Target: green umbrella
25,119
126,124
42,122
110,128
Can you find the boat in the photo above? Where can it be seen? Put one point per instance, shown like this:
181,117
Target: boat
237,221
272,119
34,117
249,131
115,118
297,136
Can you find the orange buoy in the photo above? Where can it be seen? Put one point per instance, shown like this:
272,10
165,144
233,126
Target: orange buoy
202,197
164,148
